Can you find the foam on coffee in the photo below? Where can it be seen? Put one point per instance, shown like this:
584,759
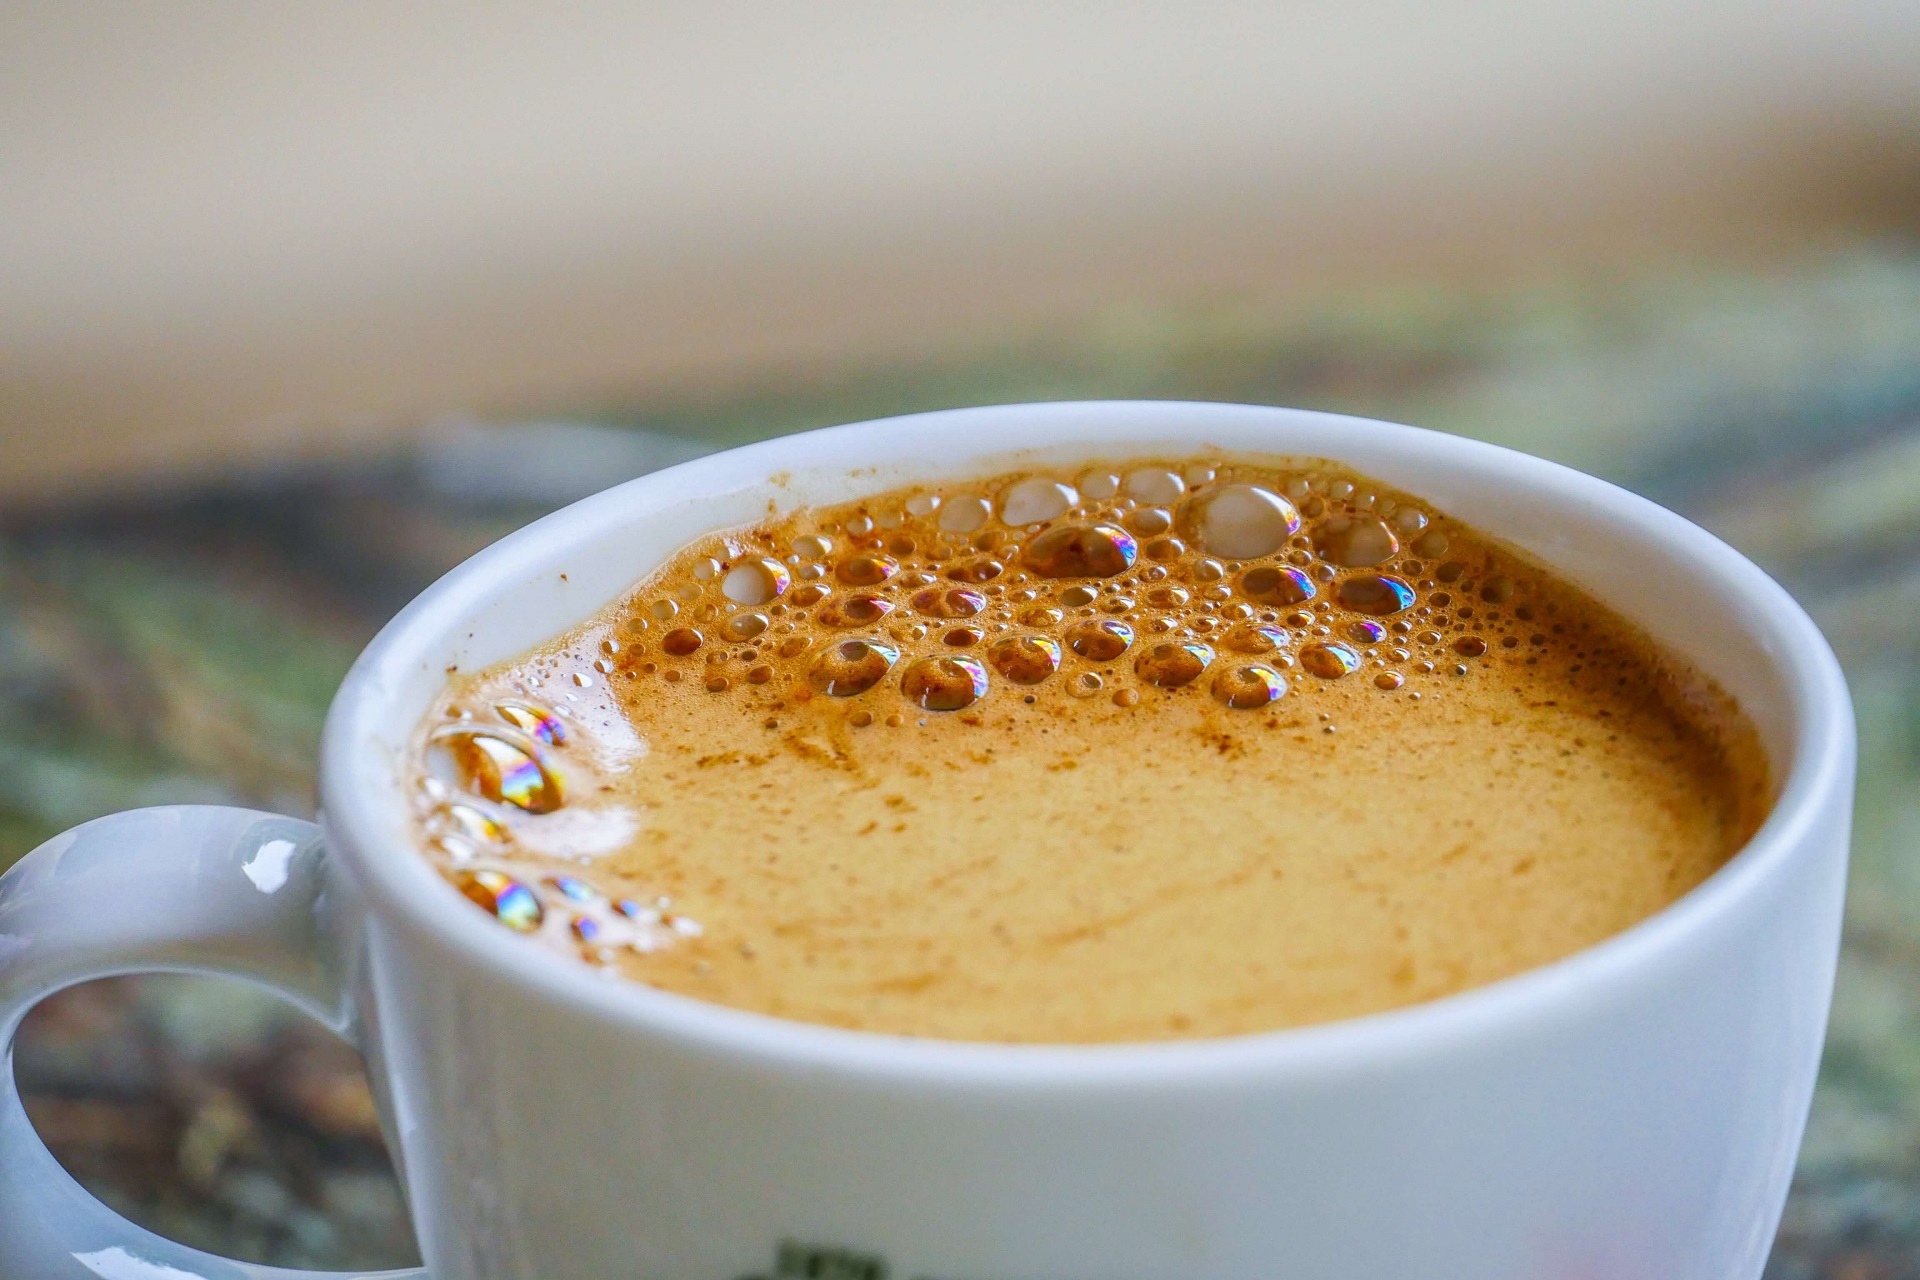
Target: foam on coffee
1154,750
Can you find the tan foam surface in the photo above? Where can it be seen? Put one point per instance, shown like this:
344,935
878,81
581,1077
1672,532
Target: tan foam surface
799,772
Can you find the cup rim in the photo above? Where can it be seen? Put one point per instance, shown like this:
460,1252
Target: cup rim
356,785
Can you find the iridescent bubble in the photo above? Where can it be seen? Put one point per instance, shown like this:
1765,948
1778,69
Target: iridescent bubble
1035,499
1240,521
1329,660
745,626
1249,686
1082,551
680,641
1389,680
964,513
1376,593
1156,485
1100,640
1277,584
859,610
1355,544
535,721
505,769
755,581
1363,632
944,684
956,602
1170,665
1255,638
1025,659
573,888
585,928
866,570
852,667
507,900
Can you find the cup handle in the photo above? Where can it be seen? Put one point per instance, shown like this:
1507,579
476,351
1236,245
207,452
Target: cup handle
181,888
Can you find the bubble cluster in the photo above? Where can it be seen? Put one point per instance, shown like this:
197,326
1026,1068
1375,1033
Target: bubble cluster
1131,580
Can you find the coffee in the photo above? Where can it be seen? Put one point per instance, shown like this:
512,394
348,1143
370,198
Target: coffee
1117,753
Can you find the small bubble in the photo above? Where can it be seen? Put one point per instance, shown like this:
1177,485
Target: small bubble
1167,597
1256,638
1164,549
1077,597
718,684
985,569
664,609
1497,590
1375,593
860,526
866,570
470,822
1117,604
1155,485
852,667
944,684
921,505
1150,521
1101,640
1389,680
1085,684
1470,646
847,612
1041,615
1207,571
1364,632
1431,545
1081,551
955,602
794,646
1198,473
1277,585
706,568
860,719
961,637
1329,660
964,514
1248,686
680,641
760,674
573,888
745,626
1099,485
1126,697
1171,665
808,596
813,546
1035,499
504,898
1409,521
1025,660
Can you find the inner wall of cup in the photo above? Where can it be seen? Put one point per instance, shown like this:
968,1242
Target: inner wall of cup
1691,594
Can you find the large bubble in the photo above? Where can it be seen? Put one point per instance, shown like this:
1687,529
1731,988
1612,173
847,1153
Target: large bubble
1239,521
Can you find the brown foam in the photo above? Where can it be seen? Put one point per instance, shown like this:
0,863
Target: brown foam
956,778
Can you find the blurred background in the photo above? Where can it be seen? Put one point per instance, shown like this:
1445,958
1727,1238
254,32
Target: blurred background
301,304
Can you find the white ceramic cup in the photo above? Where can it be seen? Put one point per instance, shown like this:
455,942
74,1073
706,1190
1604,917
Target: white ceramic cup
1629,1113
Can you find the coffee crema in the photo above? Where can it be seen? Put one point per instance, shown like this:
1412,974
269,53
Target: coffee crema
1118,753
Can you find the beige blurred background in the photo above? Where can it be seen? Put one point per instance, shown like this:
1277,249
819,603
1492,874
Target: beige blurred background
245,232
